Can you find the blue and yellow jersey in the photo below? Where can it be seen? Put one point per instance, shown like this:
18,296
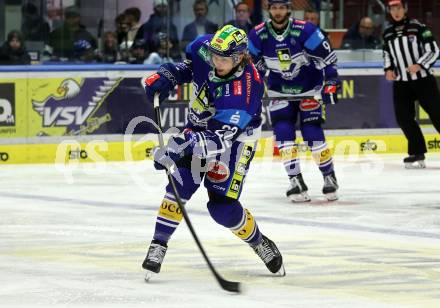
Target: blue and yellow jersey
298,60
223,110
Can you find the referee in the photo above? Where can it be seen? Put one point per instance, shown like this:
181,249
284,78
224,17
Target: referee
409,53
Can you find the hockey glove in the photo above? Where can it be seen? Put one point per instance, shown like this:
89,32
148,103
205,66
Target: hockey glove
176,149
330,90
162,82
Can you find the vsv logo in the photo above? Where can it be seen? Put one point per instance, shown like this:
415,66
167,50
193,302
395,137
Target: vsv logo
74,102
64,116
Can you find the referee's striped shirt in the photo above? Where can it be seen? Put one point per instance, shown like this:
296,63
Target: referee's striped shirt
406,43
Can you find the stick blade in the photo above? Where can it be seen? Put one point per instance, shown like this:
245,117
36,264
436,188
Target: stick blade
230,286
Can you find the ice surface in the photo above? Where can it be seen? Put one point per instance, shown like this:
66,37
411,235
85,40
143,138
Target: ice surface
77,238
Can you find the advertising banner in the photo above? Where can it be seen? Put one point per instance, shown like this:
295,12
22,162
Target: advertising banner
93,106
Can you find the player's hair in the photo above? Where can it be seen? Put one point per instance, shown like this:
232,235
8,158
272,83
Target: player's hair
197,2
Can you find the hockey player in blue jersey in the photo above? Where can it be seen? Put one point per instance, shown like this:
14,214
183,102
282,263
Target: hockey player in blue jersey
300,62
218,143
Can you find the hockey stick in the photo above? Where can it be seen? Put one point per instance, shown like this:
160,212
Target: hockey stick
230,286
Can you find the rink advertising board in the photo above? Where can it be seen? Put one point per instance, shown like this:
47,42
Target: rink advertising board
98,150
93,104
71,106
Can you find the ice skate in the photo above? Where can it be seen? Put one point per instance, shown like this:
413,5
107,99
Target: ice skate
330,187
153,260
297,191
415,161
271,256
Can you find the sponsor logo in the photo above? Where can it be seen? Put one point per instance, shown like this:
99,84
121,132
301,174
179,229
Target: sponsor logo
248,152
171,207
150,80
261,25
7,104
309,105
263,36
77,154
235,185
218,172
368,146
219,187
256,74
4,156
241,169
295,32
291,89
237,87
285,58
238,37
227,90
248,88
434,144
203,52
219,91
148,152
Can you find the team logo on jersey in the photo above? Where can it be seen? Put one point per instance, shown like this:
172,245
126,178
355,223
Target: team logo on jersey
309,105
238,90
285,58
218,172
411,38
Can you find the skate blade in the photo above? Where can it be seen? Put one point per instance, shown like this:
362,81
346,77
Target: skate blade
281,272
302,197
332,196
415,165
149,275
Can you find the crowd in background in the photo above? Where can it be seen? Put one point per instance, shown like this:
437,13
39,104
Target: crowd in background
154,42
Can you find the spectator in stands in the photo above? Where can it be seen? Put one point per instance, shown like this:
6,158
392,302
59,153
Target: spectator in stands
62,39
122,27
13,51
33,26
110,50
201,25
312,16
242,17
84,52
132,16
160,21
138,54
159,56
361,36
